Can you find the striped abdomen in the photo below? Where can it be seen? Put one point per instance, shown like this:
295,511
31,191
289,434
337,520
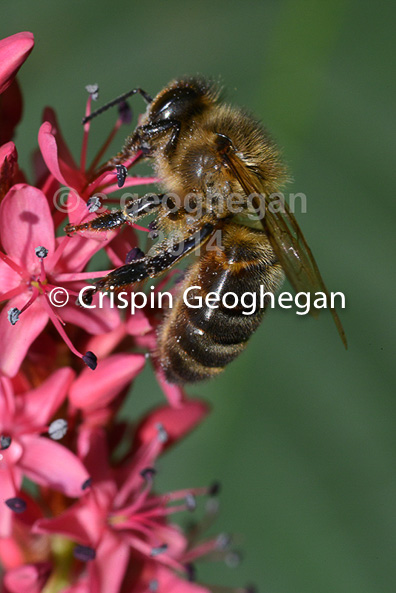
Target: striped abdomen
197,343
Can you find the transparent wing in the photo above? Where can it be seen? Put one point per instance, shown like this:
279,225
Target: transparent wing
287,241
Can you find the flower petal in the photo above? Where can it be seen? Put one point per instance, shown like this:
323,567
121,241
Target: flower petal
8,167
61,170
97,320
109,567
138,324
10,111
82,522
112,375
17,339
26,223
169,582
177,422
41,403
50,464
13,52
29,578
9,480
174,393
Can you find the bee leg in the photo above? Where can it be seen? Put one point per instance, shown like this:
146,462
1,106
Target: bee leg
150,266
104,222
133,210
137,141
117,101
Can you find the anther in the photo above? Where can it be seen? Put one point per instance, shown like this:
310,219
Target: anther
87,484
153,586
94,203
57,429
84,553
125,112
93,90
5,442
191,502
191,572
16,504
162,434
41,252
13,315
90,360
223,541
233,559
214,489
158,550
148,473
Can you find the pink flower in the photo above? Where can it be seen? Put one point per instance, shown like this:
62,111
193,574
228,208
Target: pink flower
119,519
13,52
29,578
34,264
9,172
113,377
83,179
23,419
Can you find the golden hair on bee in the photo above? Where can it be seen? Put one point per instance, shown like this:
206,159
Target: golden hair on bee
206,152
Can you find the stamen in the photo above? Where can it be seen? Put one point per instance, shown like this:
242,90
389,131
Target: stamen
87,484
57,429
16,504
153,586
93,90
7,260
162,434
90,360
41,252
214,489
223,541
105,146
94,203
148,473
158,550
191,572
191,502
5,442
6,296
13,315
233,559
84,553
34,296
125,112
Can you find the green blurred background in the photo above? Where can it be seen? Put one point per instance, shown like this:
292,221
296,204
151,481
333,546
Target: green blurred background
302,434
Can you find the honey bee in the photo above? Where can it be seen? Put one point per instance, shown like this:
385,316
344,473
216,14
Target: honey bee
205,152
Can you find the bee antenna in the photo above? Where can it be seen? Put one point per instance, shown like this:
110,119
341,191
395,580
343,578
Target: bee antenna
119,99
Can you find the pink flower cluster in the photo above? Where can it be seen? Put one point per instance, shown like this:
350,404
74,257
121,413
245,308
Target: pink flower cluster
78,508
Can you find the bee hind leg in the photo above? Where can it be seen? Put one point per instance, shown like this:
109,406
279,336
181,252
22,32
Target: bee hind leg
146,266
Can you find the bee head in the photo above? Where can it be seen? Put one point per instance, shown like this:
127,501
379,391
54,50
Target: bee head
181,100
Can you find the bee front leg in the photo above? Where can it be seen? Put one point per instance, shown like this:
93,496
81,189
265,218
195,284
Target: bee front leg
150,266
